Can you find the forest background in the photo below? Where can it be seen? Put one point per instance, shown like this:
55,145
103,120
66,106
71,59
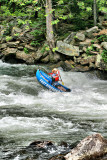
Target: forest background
52,20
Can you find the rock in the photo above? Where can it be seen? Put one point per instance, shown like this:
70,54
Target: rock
10,51
104,45
80,68
20,48
28,58
93,52
91,147
13,44
68,65
37,55
3,45
97,46
104,23
67,49
92,30
80,37
69,39
86,59
92,66
16,30
41,144
54,58
46,59
30,48
58,157
98,60
86,43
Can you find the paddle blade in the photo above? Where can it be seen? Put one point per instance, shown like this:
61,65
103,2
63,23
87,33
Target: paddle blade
62,83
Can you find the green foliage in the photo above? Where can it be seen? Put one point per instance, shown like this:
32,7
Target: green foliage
38,32
22,22
35,43
8,38
78,14
104,55
26,50
90,48
55,49
102,38
45,48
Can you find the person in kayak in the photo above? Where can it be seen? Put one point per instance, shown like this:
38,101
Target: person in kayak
55,78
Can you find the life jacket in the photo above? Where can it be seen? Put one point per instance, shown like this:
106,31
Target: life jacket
57,75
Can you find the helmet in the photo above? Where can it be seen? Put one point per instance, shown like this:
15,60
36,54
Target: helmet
55,69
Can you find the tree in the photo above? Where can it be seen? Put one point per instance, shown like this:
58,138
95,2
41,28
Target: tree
49,26
94,12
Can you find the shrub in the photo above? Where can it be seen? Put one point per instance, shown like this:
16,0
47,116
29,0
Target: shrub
102,38
26,50
8,38
104,56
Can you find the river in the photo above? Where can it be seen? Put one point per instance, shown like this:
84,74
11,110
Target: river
29,112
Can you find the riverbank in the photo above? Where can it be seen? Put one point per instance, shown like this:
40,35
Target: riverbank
80,51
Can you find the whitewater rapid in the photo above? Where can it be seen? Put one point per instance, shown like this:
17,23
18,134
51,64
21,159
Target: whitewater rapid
30,112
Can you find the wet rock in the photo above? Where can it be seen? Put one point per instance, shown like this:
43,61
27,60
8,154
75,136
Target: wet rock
90,148
41,145
67,49
58,157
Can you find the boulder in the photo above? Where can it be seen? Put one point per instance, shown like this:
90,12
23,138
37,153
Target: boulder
67,49
54,58
92,30
97,46
104,45
68,65
86,43
9,51
85,60
30,48
98,60
91,147
37,55
28,58
69,39
13,44
80,37
3,46
46,59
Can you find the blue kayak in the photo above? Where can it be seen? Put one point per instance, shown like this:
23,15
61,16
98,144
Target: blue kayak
46,81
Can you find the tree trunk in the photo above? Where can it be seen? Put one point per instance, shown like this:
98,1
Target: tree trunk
95,12
49,27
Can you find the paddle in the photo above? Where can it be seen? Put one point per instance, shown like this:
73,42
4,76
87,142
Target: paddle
61,81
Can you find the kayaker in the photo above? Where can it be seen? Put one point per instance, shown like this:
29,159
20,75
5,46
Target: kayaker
55,78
